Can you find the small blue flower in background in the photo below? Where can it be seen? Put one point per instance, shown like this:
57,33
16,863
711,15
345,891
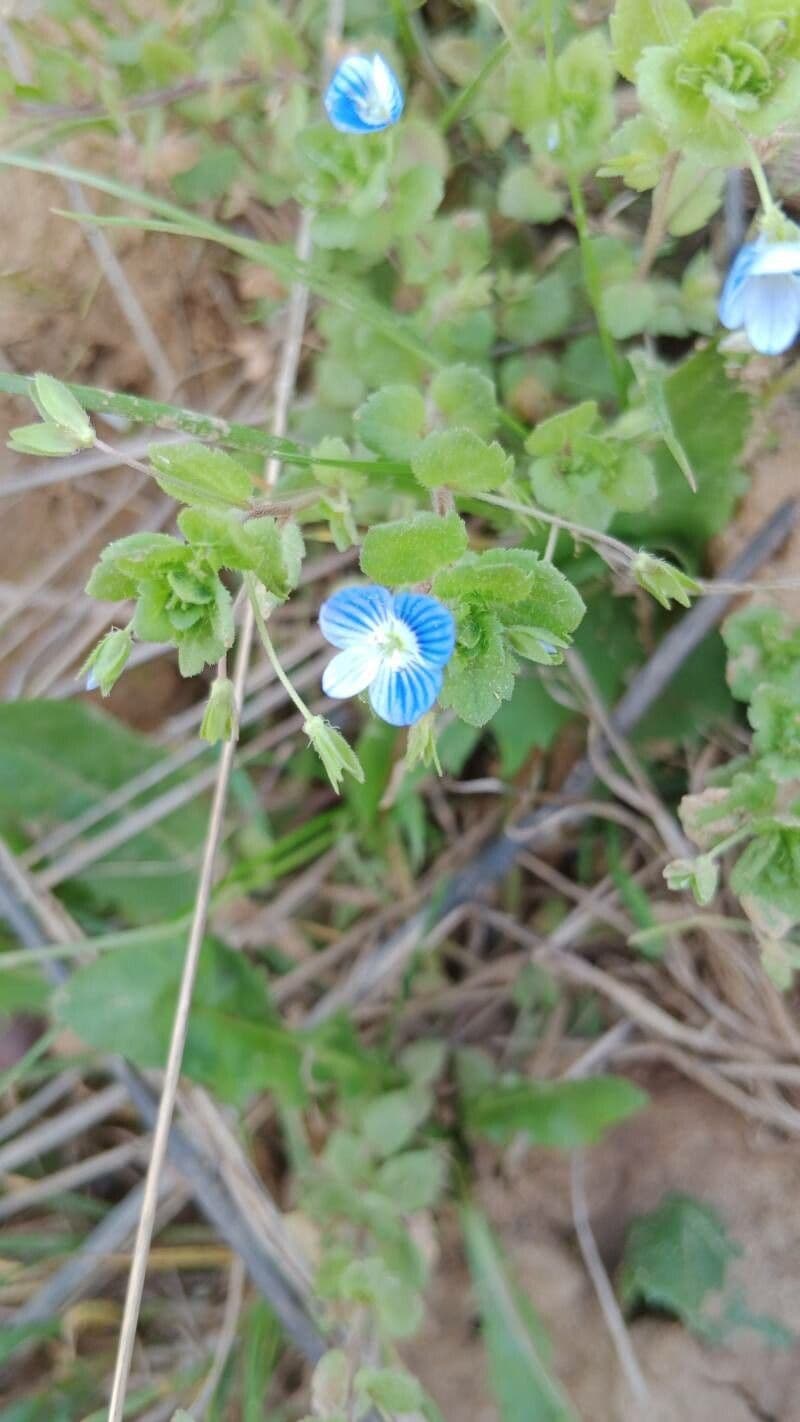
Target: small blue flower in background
762,293
363,95
396,645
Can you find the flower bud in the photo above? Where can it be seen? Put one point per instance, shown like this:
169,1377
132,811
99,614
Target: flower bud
336,755
220,721
108,660
663,580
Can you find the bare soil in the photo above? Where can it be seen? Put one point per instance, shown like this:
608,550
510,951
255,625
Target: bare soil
686,1141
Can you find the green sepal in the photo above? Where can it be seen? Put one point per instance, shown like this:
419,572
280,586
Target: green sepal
57,405
45,440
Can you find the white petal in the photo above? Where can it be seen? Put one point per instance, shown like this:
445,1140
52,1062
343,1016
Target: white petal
778,258
731,301
772,313
351,671
383,82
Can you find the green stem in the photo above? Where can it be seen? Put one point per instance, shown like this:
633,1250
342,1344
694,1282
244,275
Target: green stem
210,427
464,98
577,530
760,178
18,1070
729,841
252,593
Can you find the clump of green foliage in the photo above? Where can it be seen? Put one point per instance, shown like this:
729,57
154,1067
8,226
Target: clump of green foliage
518,401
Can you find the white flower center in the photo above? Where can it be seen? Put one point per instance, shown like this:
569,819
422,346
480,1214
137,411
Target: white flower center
396,643
377,106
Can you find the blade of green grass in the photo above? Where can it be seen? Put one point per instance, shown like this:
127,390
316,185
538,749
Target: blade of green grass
191,422
280,260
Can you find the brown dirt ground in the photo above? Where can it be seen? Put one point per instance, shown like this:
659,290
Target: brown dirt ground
57,313
773,469
688,1142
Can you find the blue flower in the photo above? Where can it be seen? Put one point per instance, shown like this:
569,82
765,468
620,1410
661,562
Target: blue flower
397,645
363,95
762,293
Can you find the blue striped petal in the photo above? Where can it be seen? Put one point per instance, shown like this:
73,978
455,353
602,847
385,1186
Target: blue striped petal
351,671
364,95
731,301
353,614
402,695
432,624
772,313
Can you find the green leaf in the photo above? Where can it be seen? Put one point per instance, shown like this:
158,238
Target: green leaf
126,562
710,417
628,307
370,1281
480,676
389,1122
221,539
391,1389
466,397
769,868
330,1383
708,101
530,721
694,196
555,434
413,1180
392,421
412,550
55,402
417,194
564,1113
48,441
774,715
483,578
235,1043
523,195
517,1346
59,758
211,176
635,24
537,310
15,1335
277,551
460,459
198,475
763,645
652,384
675,1257
552,605
21,991
699,876
636,153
